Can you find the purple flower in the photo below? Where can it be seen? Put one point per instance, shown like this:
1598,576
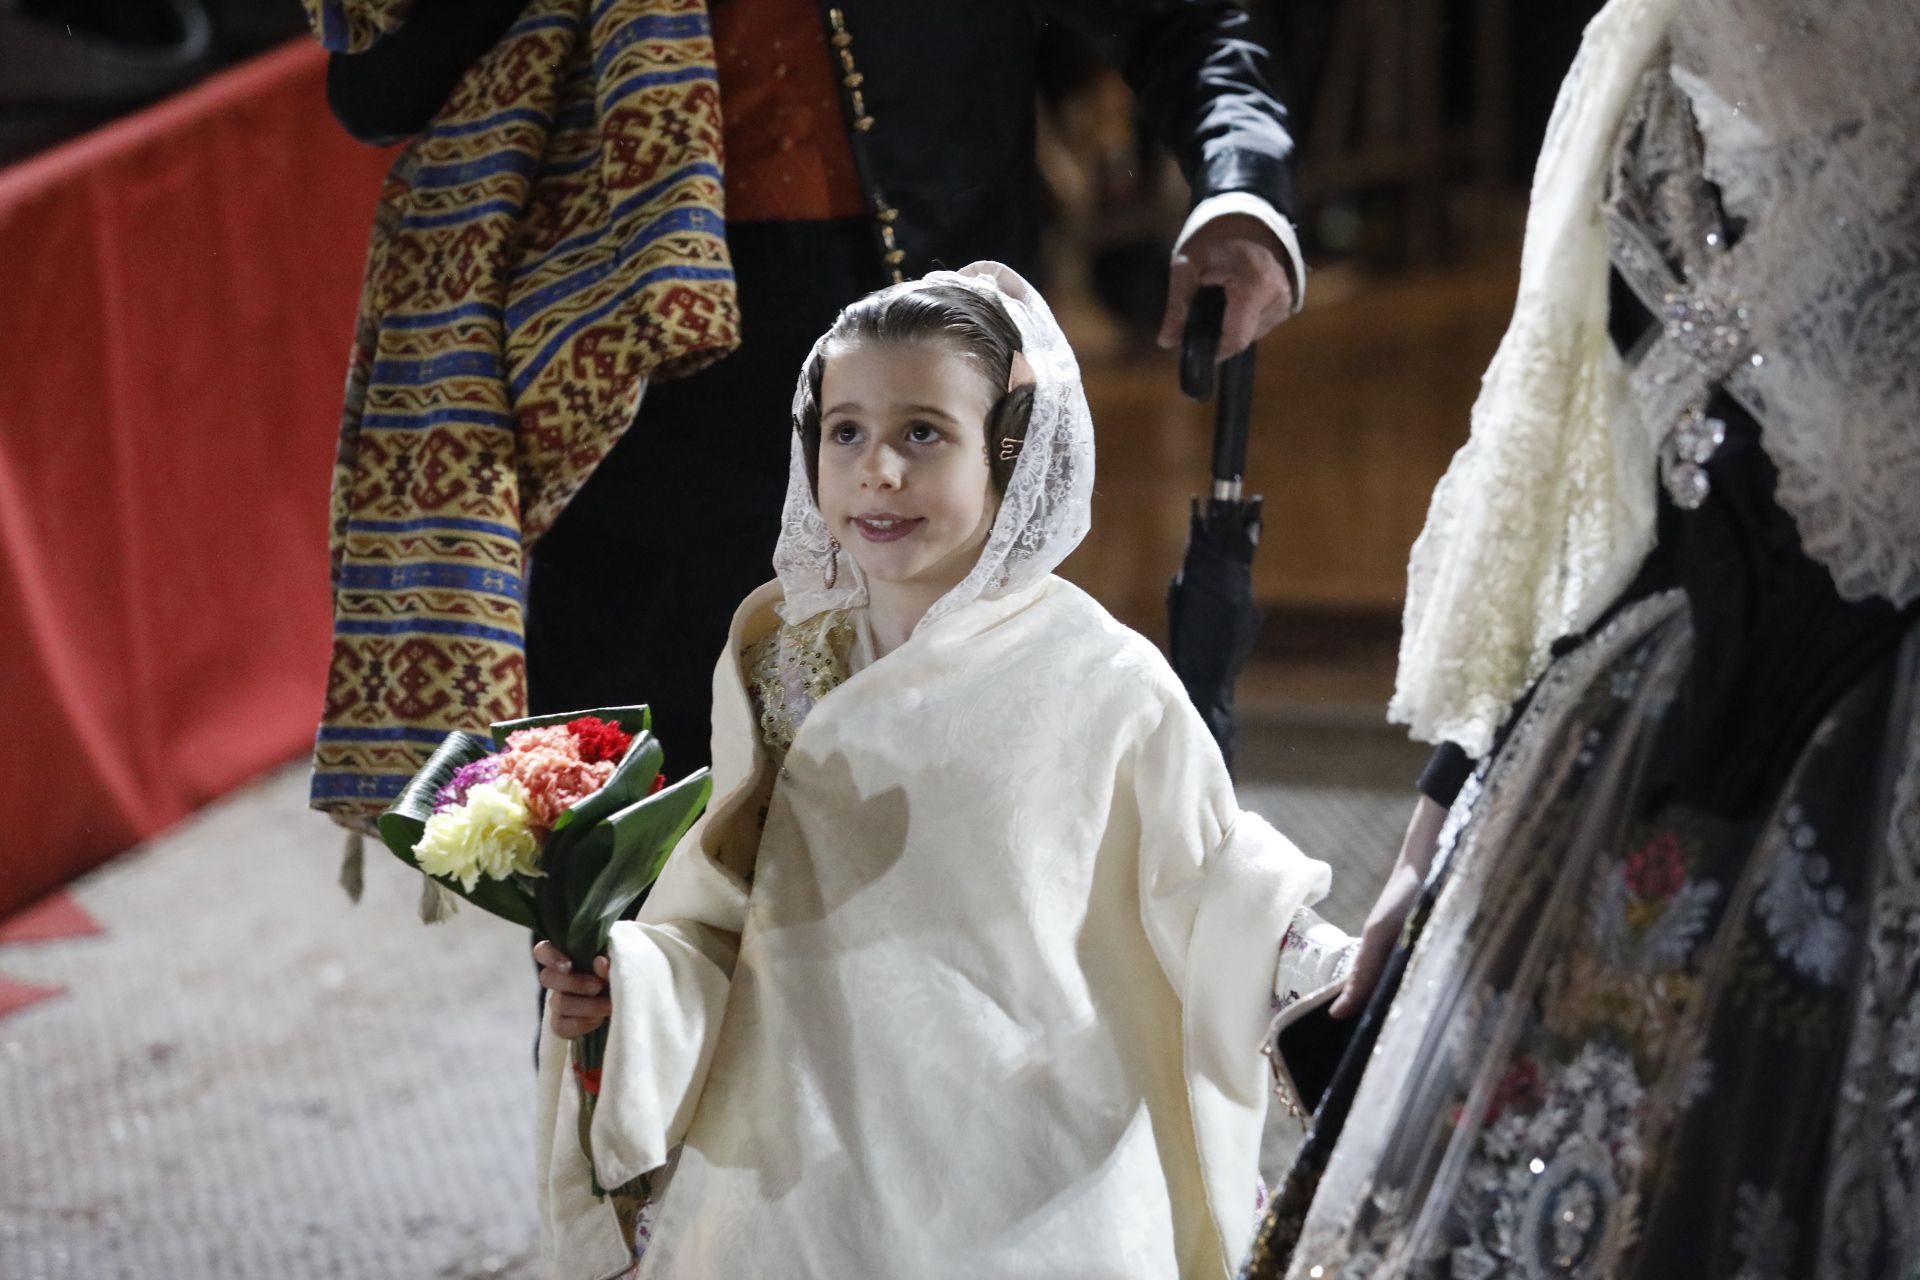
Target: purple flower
464,779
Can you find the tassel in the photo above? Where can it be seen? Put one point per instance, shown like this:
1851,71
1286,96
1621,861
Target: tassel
353,866
437,902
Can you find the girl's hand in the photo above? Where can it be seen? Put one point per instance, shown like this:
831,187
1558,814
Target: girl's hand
1389,914
579,1002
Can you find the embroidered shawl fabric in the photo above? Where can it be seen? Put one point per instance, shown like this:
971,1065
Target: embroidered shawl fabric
550,242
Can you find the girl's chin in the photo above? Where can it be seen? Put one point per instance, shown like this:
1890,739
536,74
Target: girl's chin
908,564
901,571
892,570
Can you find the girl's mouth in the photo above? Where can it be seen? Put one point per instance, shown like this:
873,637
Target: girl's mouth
886,528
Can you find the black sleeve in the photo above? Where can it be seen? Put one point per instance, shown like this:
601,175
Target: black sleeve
392,90
1447,771
1201,81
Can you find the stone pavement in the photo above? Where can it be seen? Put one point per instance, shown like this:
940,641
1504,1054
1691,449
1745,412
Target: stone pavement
251,1078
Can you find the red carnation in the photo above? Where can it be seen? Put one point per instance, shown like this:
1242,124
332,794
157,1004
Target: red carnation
600,739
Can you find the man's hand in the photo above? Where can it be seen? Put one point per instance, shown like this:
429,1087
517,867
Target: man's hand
1243,255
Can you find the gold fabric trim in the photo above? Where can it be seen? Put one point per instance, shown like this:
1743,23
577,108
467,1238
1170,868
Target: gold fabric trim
790,670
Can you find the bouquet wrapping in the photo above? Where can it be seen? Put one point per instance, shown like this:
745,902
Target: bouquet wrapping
558,823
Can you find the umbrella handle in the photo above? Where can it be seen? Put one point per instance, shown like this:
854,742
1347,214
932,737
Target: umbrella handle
1201,340
1231,420
1230,424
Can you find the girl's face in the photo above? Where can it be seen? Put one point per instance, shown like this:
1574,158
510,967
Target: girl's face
904,483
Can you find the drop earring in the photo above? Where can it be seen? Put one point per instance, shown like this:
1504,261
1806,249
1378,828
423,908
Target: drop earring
833,561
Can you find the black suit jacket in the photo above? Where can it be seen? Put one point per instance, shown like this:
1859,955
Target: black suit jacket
947,162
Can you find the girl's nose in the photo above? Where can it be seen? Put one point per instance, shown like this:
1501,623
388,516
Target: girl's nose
880,468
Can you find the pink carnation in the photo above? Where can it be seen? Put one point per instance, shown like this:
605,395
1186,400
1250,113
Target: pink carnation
554,780
550,737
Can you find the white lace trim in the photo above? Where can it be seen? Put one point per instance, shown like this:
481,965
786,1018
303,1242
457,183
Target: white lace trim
1048,506
1548,508
1806,117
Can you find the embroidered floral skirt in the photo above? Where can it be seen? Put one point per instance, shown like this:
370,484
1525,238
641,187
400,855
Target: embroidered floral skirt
1638,1038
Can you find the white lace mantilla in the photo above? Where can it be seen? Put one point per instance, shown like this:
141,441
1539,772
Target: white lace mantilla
1809,116
1045,512
1805,117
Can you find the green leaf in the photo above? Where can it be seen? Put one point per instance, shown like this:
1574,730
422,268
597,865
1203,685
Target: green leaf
632,780
406,818
503,898
570,877
578,848
643,835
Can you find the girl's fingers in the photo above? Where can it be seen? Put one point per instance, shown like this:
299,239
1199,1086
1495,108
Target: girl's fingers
574,1028
578,1002
580,984
593,1007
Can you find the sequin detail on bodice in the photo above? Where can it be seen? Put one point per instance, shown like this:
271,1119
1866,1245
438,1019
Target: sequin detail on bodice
790,670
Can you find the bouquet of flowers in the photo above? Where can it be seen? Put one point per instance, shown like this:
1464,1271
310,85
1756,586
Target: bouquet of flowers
558,823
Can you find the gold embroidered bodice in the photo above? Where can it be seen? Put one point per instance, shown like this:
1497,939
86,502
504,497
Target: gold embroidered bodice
790,670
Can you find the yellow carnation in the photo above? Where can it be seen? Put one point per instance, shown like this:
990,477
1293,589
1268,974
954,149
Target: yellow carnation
490,834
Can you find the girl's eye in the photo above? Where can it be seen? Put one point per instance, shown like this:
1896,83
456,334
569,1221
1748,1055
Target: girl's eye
923,432
844,432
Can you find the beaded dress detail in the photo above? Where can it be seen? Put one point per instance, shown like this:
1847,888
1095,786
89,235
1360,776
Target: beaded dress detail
791,669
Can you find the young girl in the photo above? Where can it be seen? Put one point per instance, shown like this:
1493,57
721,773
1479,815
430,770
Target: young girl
967,970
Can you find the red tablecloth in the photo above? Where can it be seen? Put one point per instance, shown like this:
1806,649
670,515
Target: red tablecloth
176,302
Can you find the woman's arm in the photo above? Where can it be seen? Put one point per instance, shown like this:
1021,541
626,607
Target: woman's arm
1382,929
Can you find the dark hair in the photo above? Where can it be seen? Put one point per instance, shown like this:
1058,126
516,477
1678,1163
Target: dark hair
973,324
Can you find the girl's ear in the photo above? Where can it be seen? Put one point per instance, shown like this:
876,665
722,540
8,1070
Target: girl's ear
1021,373
1007,433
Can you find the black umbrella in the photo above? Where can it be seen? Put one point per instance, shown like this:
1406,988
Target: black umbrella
1212,619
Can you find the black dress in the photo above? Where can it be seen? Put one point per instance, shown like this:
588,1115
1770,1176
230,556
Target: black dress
1656,1015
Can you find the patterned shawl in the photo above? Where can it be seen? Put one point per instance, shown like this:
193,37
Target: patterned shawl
554,239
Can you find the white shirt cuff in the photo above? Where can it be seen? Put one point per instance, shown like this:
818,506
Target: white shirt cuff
1254,207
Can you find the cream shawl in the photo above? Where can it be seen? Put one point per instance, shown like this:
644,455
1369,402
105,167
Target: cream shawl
1548,508
985,997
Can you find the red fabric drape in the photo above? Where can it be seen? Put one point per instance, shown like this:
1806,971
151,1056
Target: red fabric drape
176,302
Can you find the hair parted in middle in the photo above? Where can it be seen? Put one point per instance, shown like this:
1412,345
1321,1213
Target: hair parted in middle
971,324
